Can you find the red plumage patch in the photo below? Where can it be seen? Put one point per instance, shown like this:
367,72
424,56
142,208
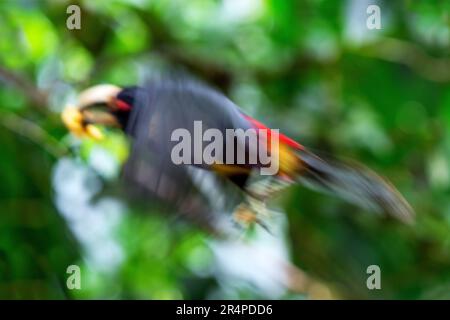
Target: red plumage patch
122,105
283,139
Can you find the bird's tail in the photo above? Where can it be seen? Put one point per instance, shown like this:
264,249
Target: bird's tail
354,183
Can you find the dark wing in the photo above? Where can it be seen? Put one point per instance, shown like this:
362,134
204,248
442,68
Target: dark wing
160,108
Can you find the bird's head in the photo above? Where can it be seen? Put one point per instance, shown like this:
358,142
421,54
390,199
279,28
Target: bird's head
100,105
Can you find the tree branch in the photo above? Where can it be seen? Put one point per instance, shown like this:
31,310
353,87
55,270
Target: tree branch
33,132
36,97
411,55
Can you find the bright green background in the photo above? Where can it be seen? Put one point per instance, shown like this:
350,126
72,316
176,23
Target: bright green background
309,67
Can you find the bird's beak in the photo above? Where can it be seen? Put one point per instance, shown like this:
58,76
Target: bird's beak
73,119
99,94
80,121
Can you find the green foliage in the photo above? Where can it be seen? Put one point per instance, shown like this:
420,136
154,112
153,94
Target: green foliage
383,100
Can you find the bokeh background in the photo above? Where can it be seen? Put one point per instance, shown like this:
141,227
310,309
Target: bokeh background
309,67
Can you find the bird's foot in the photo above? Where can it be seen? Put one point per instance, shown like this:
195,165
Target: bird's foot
249,214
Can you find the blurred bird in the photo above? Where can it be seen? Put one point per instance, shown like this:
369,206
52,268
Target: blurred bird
149,114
